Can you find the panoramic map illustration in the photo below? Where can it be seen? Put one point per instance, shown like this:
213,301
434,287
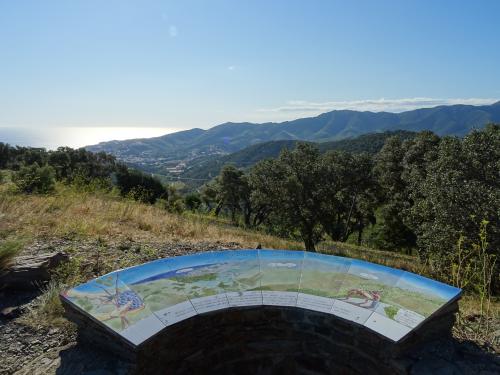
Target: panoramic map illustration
140,301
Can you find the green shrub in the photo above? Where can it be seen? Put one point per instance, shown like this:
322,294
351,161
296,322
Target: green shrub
141,194
139,186
86,184
391,311
71,272
473,266
192,201
35,179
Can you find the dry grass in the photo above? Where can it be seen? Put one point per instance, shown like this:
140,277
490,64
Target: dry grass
74,214
70,213
481,328
91,215
47,309
8,251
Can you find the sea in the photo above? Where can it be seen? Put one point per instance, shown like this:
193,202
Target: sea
53,137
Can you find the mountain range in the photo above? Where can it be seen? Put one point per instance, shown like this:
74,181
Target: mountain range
176,153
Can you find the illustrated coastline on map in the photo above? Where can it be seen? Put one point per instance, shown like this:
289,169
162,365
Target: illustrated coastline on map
140,301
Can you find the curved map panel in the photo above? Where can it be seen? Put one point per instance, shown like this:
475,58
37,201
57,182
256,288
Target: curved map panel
140,301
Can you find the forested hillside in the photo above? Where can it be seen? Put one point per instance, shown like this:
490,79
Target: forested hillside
161,154
249,156
36,170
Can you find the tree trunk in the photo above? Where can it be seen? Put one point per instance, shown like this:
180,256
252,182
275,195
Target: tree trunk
260,216
309,242
347,224
247,213
218,208
360,233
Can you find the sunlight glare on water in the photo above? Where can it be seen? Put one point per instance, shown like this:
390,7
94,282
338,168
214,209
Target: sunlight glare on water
75,137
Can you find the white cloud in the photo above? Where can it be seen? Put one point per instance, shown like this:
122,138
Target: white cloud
184,270
280,265
368,276
300,108
231,67
172,31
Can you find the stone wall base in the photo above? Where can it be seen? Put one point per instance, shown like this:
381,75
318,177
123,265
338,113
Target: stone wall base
266,340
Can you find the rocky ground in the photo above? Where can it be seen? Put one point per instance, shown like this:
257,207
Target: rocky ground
25,347
30,347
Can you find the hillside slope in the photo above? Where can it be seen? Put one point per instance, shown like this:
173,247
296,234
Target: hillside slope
443,120
153,154
249,156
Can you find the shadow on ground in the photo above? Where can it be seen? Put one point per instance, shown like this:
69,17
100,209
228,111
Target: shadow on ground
438,357
82,359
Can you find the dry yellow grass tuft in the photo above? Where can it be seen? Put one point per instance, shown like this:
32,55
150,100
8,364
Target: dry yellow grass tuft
106,215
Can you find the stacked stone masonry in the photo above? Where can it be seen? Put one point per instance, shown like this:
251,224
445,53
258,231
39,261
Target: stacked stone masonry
266,340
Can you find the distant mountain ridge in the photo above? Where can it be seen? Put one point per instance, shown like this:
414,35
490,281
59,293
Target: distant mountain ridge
185,147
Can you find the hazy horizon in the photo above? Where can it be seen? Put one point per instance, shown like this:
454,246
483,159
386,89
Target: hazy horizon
79,136
75,137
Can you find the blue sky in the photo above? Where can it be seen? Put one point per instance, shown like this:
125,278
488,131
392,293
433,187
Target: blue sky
184,64
141,272
419,283
332,262
371,271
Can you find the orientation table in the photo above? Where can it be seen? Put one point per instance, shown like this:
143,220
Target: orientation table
138,302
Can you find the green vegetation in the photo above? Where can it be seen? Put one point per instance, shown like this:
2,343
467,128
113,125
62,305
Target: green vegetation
35,170
195,278
474,268
138,186
192,201
35,179
370,143
391,311
420,193
47,308
246,158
